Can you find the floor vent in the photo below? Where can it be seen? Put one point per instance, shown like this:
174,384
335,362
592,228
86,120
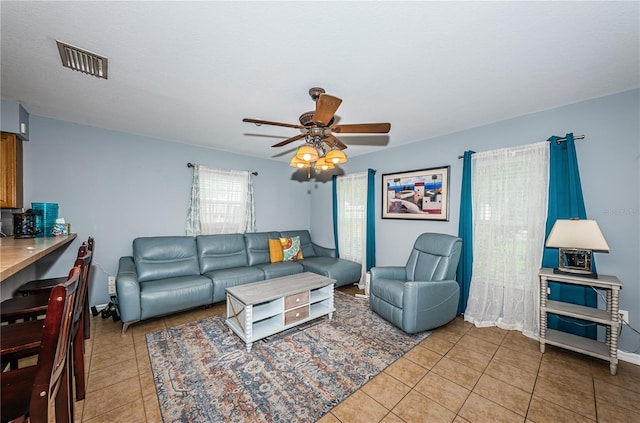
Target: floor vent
82,60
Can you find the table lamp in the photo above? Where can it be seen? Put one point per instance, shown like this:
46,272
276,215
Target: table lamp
576,241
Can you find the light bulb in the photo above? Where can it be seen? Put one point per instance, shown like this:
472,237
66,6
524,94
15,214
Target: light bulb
306,156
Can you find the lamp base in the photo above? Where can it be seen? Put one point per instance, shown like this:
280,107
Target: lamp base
582,274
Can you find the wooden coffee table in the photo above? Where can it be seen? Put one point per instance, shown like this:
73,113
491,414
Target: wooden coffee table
261,309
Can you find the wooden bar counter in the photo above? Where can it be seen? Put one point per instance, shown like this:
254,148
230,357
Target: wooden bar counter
17,254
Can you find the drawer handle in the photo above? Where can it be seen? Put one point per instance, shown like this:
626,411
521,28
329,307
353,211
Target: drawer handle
297,300
297,314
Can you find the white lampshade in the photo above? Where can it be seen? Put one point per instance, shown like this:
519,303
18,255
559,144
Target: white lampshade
576,233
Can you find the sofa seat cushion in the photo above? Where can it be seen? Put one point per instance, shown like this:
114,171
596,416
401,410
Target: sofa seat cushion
170,295
343,271
225,278
388,290
277,270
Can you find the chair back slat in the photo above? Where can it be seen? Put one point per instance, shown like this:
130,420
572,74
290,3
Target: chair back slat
84,263
54,346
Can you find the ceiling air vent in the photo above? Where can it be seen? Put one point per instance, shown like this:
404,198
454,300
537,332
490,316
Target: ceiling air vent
82,60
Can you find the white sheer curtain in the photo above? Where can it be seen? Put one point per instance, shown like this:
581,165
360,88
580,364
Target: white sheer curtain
351,193
509,194
221,202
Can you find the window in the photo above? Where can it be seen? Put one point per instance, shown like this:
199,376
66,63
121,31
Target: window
352,198
352,217
221,202
509,195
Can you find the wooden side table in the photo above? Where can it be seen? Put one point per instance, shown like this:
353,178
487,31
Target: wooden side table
607,350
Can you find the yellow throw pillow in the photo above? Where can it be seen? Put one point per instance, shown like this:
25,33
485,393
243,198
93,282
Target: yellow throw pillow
275,251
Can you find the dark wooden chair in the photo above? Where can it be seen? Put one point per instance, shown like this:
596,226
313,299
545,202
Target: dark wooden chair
39,286
20,340
26,393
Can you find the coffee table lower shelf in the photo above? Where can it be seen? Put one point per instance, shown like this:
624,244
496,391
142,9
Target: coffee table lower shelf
273,325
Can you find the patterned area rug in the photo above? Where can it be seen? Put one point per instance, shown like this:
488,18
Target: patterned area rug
203,373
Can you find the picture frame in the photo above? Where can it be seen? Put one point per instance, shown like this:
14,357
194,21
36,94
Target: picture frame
417,194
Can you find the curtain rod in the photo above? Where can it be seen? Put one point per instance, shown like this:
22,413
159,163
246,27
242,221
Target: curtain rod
559,140
253,173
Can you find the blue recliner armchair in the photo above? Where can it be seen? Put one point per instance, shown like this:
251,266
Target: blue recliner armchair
423,294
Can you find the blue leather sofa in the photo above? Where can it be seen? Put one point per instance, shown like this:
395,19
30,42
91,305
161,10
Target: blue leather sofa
167,274
423,294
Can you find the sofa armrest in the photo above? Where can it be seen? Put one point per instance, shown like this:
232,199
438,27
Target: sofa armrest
128,290
323,251
389,272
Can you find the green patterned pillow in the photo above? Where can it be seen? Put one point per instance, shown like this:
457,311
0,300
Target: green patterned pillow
291,249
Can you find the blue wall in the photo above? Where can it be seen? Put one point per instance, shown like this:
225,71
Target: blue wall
609,160
116,186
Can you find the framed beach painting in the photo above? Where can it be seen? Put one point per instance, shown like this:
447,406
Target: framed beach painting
418,194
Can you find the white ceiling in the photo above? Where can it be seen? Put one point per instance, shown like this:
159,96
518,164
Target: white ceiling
190,71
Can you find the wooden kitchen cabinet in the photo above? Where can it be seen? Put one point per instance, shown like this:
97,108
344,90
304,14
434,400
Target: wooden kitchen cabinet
10,171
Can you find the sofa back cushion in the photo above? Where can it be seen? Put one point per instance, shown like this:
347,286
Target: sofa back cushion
305,241
222,251
162,257
258,246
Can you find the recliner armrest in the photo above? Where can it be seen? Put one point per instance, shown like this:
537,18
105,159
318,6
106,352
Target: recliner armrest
128,290
430,292
435,302
389,272
323,251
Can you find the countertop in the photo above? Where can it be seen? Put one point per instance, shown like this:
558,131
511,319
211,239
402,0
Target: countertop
16,254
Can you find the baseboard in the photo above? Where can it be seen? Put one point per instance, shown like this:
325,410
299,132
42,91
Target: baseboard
629,357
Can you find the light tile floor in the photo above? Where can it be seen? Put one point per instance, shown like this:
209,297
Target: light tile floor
458,374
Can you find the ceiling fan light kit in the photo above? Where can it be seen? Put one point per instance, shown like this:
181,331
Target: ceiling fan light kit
307,153
299,163
321,149
336,156
323,164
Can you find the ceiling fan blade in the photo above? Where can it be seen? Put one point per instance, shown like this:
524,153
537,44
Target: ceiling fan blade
289,140
268,122
326,107
333,141
362,128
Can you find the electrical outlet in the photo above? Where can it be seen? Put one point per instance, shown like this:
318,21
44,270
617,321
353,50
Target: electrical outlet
624,315
111,281
112,289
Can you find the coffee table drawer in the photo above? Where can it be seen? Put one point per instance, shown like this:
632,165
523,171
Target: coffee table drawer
296,315
296,300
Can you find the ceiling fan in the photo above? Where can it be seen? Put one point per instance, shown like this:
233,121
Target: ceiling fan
318,129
